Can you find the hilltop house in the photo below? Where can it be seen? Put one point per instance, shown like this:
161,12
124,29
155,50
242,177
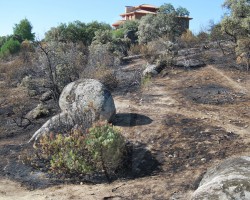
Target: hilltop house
137,12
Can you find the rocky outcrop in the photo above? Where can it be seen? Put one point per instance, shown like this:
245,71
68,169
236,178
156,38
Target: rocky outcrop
189,62
189,58
81,102
228,180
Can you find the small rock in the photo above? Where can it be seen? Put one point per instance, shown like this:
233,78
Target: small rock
151,70
40,111
46,96
32,93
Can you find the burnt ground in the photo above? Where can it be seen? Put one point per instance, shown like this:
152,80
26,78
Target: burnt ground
186,120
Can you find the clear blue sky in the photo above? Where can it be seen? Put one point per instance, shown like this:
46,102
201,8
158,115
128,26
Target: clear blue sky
44,14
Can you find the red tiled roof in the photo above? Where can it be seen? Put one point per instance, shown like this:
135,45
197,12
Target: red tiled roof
146,6
138,11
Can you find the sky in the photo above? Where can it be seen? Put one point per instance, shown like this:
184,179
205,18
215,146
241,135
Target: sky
45,14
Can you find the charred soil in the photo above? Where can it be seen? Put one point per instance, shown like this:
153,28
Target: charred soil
185,121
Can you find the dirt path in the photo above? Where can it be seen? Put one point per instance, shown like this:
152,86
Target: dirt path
189,120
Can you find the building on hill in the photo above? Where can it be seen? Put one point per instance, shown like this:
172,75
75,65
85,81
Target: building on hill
137,12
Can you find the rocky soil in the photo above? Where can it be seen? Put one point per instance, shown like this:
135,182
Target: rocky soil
189,120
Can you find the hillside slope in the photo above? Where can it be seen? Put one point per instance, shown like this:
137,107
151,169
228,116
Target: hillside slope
188,119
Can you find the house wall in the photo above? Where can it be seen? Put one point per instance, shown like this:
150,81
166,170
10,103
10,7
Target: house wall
129,9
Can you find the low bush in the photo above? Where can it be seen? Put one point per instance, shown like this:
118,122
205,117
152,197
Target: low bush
99,149
66,154
107,147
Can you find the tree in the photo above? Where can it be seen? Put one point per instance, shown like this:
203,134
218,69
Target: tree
61,63
102,37
22,31
130,30
165,24
182,12
72,32
93,27
75,32
218,36
166,8
236,24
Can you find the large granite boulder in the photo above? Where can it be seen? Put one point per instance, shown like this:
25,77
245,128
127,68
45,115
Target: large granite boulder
82,102
88,93
228,180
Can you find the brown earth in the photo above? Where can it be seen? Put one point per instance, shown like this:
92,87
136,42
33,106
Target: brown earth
188,119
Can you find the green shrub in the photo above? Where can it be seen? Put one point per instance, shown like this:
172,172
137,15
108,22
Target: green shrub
107,147
118,33
10,47
66,154
99,149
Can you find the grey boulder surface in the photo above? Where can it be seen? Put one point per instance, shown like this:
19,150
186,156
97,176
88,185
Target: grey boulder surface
82,102
230,180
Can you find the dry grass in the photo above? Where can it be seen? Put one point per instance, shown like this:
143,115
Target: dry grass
13,72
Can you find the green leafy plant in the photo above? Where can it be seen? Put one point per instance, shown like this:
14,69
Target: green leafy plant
66,154
107,147
99,149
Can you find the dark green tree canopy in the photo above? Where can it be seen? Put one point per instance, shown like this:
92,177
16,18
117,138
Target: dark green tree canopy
183,12
167,23
23,31
237,21
76,32
166,8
